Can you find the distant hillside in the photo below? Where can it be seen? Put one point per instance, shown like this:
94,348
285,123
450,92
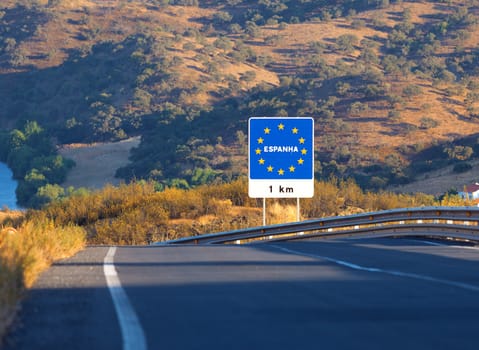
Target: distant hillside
384,80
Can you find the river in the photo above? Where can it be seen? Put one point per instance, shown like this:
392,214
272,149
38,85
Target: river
7,188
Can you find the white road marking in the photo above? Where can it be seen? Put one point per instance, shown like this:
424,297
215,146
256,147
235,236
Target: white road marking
389,272
131,330
430,243
445,245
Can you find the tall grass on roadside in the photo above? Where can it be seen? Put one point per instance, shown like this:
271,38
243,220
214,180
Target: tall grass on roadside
25,252
138,214
278,213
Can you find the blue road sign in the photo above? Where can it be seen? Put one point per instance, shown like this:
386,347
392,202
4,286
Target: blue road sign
281,157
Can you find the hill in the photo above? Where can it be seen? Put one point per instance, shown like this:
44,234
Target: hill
386,81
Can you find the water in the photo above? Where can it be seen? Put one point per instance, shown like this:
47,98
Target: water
7,188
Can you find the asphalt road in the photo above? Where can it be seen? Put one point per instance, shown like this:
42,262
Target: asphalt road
348,294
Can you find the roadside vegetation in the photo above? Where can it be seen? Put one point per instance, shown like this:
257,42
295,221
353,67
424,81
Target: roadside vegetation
28,246
143,212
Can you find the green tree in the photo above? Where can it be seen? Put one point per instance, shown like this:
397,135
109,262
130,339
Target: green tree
27,188
347,43
428,123
252,30
46,194
20,159
17,139
222,17
369,55
412,90
459,152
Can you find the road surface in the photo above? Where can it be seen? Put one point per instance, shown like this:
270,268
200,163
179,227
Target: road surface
339,294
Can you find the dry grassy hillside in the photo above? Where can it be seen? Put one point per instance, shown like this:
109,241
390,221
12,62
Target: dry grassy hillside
204,65
373,129
115,20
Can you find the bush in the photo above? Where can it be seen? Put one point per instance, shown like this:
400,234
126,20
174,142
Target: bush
428,123
140,225
412,90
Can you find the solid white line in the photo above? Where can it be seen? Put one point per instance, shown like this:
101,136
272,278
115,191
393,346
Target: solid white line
389,272
445,245
131,330
434,243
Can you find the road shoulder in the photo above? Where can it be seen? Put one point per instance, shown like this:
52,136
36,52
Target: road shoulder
69,307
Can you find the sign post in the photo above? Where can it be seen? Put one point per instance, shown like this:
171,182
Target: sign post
281,158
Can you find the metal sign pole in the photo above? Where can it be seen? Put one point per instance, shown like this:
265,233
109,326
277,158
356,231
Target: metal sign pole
298,210
264,211
298,215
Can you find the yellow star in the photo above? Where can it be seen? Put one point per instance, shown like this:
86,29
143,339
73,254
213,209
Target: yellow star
295,130
292,169
301,140
270,169
261,161
260,140
300,161
281,172
258,151
267,130
281,126
304,151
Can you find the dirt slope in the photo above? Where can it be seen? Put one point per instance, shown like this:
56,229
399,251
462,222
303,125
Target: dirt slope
96,163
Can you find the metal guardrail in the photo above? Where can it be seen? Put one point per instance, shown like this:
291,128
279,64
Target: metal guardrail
443,222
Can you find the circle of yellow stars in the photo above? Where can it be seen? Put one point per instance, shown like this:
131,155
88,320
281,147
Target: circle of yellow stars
291,168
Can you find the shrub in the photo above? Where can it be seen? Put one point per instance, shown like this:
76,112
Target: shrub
140,225
358,24
412,90
428,123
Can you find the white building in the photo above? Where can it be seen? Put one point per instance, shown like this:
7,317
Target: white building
470,191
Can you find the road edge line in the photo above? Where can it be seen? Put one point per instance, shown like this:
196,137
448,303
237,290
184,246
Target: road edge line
132,333
354,266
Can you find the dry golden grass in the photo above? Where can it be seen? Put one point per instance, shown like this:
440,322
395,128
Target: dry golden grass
96,163
277,213
7,217
25,252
